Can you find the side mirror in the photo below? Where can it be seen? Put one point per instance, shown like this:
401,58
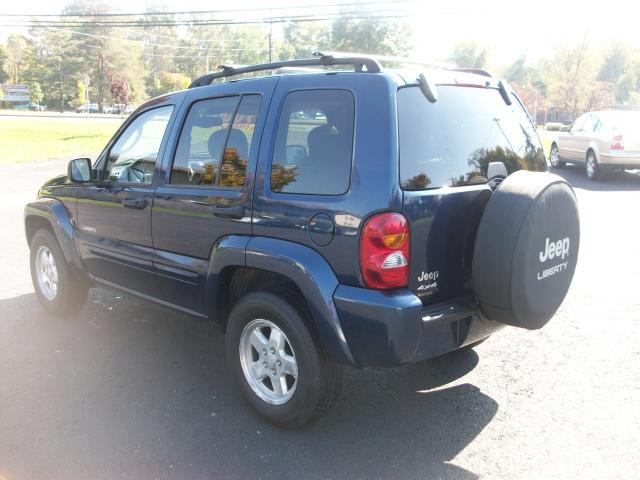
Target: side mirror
79,170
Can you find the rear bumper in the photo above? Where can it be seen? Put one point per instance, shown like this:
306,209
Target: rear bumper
621,159
386,329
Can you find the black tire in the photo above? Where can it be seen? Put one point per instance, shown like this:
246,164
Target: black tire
318,384
592,167
72,290
554,157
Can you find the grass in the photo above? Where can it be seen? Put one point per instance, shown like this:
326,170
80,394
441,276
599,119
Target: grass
29,139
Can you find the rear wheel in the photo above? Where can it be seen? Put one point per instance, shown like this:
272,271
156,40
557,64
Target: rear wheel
281,372
58,287
593,167
554,157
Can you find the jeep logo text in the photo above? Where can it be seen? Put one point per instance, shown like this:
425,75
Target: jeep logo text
555,249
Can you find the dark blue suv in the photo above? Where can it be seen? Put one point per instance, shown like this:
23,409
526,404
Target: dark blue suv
344,215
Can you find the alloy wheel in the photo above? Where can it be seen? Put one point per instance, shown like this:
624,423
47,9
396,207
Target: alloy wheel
268,361
47,273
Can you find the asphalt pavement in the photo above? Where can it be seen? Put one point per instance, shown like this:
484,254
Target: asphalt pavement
127,389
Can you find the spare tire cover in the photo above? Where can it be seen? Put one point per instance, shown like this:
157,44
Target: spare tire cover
526,249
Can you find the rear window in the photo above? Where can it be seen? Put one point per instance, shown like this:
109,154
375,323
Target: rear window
623,121
452,141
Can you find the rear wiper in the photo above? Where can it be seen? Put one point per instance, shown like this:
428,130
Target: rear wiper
428,88
502,87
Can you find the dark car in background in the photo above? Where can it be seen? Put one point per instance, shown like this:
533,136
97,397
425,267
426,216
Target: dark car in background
87,108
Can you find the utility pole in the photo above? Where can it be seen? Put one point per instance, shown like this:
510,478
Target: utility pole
270,39
87,81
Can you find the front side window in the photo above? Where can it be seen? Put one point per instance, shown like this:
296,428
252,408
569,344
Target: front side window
132,158
452,141
214,144
314,143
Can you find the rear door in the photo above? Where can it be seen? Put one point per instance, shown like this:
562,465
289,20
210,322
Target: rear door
446,148
570,144
207,187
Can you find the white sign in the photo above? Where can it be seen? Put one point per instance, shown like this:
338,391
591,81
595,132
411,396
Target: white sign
15,93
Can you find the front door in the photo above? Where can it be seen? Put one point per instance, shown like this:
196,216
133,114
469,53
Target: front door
114,214
206,192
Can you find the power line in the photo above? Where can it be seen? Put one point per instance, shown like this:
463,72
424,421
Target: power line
262,21
201,12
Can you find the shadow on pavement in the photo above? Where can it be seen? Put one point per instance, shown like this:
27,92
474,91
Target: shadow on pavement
129,389
618,181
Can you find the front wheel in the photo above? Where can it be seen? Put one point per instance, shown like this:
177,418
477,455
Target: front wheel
58,287
281,372
554,157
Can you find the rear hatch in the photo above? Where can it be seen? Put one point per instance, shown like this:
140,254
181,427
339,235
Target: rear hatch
445,149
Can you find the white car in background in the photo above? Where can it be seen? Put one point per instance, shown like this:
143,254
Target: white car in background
602,141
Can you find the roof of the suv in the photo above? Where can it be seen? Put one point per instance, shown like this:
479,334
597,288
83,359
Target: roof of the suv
360,63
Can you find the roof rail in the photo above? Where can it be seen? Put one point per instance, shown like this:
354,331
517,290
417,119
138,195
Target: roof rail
360,64
477,71
393,59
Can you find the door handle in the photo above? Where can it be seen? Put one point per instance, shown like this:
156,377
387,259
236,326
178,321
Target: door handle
137,203
228,211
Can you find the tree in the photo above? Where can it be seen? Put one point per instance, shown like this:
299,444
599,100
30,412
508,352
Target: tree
621,69
470,55
16,57
572,79
81,94
302,39
35,92
119,89
170,82
60,62
104,49
373,36
3,61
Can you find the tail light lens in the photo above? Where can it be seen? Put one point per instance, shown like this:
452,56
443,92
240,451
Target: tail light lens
384,251
617,143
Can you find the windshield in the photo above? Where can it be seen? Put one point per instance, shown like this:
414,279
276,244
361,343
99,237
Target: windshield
452,141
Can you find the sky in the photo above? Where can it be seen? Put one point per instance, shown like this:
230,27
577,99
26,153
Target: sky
508,28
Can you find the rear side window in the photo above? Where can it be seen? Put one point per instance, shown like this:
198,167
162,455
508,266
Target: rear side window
314,143
452,141
215,141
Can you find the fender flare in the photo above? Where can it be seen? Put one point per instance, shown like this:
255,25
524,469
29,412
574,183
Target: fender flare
313,276
227,252
302,265
55,213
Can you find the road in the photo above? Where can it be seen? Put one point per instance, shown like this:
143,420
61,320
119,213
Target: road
57,114
130,390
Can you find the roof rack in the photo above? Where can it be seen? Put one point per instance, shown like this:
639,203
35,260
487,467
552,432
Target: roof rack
360,64
394,59
477,71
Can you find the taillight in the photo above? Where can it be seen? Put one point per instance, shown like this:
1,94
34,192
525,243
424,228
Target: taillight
617,143
384,251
